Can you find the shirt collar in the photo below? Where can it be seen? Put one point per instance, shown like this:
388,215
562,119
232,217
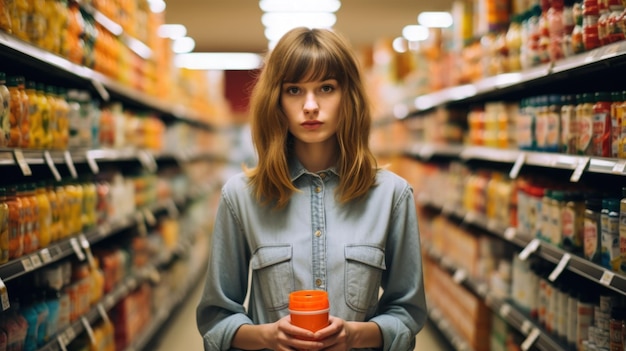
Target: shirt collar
296,169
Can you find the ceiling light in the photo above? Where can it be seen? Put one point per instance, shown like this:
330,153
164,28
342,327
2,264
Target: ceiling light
299,19
219,61
399,44
415,32
300,6
157,6
435,19
183,45
172,31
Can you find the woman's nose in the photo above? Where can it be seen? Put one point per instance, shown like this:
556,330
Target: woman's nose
310,104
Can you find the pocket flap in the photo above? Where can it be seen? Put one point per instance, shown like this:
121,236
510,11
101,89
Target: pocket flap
269,255
366,254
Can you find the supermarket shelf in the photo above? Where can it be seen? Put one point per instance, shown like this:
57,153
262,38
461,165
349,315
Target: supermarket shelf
594,60
535,335
546,251
452,336
519,158
33,56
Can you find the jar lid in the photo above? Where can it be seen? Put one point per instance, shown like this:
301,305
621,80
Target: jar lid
308,300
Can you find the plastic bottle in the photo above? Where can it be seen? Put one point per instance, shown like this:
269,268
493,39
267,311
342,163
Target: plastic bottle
572,222
610,253
615,31
5,123
622,231
15,113
45,215
591,239
616,122
553,118
60,128
622,135
584,116
568,125
309,309
601,135
16,224
556,29
4,227
591,15
46,116
36,107
25,126
578,44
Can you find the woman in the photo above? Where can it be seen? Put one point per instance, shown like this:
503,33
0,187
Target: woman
315,213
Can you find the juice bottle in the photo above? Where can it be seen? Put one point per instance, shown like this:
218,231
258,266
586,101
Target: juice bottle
35,115
591,239
59,120
18,9
601,130
5,123
5,16
64,211
90,200
584,116
45,215
4,227
55,213
25,126
15,113
46,113
17,223
53,104
36,25
31,234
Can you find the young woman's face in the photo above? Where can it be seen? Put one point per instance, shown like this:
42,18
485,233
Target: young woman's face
312,109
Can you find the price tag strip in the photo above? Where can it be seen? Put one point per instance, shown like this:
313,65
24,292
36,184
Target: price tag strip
61,339
93,165
70,164
21,162
530,339
46,257
560,267
517,166
89,330
4,296
104,94
77,250
84,243
529,249
607,278
580,168
510,233
53,168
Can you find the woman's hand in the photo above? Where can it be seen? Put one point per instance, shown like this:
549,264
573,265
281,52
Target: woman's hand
282,335
336,336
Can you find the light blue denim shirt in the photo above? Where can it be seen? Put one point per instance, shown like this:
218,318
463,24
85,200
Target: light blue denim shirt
349,250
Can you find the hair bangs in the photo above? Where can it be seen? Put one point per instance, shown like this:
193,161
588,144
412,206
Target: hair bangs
311,63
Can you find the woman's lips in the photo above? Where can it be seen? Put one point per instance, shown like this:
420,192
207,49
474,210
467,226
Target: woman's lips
310,125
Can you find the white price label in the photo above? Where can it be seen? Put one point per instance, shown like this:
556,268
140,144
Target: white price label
4,296
77,250
21,162
103,313
532,246
505,310
45,255
70,333
459,276
530,340
104,94
104,229
517,166
36,261
580,168
510,233
62,342
84,243
560,267
93,165
70,164
27,264
607,278
53,168
147,161
150,218
88,329
526,326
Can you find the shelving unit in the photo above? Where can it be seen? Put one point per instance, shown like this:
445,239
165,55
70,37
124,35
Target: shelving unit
556,77
32,165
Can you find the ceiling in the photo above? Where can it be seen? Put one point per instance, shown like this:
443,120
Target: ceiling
235,25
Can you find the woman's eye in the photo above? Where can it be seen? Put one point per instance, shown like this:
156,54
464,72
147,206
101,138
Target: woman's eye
328,88
292,90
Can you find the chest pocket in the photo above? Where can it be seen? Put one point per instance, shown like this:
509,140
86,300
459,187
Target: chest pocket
364,269
274,270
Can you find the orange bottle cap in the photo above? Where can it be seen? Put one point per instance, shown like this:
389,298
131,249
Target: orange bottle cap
308,301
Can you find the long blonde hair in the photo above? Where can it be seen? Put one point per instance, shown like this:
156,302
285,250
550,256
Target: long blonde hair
310,54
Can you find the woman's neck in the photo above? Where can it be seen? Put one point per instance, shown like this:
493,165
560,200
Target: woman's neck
317,157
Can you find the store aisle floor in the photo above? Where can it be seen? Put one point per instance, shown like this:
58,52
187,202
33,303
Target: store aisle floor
181,333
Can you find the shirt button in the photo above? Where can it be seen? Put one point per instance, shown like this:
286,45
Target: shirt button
318,282
318,189
323,175
318,233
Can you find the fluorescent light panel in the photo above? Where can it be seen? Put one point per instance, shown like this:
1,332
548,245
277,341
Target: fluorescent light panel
300,6
434,19
219,61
